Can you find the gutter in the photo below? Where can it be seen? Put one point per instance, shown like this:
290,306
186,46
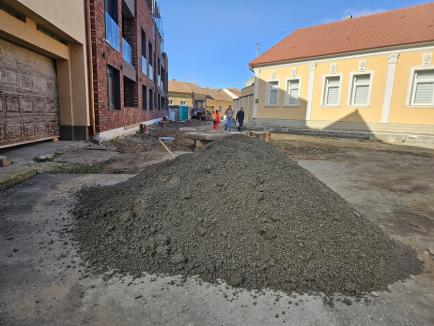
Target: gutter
90,69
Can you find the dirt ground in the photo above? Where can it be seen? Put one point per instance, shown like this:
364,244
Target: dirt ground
40,282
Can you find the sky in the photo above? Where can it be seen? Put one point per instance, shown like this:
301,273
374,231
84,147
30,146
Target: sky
211,42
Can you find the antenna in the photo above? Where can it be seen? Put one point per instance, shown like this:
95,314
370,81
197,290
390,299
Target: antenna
258,48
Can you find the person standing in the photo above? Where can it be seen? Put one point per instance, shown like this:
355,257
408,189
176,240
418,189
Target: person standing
240,118
216,120
229,118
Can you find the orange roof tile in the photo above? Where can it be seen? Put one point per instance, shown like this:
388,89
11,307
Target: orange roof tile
413,25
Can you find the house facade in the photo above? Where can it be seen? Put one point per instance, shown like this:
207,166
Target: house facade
195,96
44,84
129,65
81,69
372,74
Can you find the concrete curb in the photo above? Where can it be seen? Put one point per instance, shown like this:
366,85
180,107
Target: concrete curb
15,175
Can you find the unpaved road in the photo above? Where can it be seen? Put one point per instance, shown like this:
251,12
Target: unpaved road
41,280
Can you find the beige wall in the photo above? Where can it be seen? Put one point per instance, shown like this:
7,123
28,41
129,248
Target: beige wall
378,64
66,19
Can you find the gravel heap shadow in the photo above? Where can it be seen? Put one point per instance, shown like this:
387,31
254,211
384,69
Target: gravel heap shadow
242,212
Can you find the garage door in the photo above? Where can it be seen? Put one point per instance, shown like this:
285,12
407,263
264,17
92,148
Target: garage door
29,108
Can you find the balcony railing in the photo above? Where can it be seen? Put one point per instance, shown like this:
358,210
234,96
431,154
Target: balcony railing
127,52
112,32
144,65
151,72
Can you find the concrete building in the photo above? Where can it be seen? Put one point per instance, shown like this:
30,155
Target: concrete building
44,88
370,74
195,96
78,69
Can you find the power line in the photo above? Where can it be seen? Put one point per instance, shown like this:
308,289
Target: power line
259,44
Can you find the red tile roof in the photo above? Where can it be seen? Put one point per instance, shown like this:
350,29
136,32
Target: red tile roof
413,25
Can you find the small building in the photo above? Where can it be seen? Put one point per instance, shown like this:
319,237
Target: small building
197,97
373,74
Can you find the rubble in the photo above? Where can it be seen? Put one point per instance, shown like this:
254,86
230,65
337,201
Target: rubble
252,218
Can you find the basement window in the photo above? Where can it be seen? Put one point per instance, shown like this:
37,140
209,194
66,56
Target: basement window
130,93
113,88
293,92
423,88
332,91
273,93
361,90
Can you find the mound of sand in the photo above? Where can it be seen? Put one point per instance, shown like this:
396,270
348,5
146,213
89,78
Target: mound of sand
242,212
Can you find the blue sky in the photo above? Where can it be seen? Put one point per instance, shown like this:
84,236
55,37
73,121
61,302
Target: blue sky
210,42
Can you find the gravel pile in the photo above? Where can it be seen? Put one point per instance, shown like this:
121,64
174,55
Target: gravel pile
242,212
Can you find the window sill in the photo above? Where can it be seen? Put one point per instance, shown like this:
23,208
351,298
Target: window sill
295,106
359,106
111,46
331,106
413,106
271,106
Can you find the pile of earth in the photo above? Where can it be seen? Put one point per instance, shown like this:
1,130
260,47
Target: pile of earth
242,212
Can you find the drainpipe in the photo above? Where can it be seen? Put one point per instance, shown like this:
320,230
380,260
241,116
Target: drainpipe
90,69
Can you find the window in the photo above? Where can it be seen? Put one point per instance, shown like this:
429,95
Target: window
151,99
111,24
423,88
332,91
273,93
144,98
159,102
293,89
361,90
130,93
113,88
170,102
144,64
182,102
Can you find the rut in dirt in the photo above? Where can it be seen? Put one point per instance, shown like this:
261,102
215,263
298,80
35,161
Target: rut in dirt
242,212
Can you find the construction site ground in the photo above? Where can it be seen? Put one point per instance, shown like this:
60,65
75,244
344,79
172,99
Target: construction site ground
391,185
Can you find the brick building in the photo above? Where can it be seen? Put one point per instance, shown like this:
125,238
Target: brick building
130,68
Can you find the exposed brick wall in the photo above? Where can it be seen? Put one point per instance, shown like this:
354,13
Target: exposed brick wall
103,55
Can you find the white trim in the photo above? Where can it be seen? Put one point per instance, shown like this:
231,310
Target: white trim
390,83
312,71
255,96
410,91
227,91
268,94
350,102
286,100
341,77
344,56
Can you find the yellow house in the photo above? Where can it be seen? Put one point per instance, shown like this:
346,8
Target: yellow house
195,96
370,74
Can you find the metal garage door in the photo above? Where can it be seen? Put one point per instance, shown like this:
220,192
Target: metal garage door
29,108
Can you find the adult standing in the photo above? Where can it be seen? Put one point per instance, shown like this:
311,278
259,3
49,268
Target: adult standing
240,118
216,120
229,118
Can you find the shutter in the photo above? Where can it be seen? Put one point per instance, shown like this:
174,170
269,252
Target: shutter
333,95
424,93
361,95
294,92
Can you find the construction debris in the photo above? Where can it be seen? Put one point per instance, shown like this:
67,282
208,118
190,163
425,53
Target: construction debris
242,212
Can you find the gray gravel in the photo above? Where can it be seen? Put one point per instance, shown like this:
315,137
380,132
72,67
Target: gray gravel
242,212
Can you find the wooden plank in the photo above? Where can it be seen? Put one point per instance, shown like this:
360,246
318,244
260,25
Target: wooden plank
28,142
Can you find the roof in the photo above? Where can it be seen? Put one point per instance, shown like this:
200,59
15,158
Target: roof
186,87
413,25
235,91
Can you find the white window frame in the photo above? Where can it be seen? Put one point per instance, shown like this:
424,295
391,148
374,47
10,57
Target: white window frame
412,90
287,104
268,93
323,92
352,89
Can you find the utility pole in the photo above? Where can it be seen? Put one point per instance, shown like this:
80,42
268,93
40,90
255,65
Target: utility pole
258,49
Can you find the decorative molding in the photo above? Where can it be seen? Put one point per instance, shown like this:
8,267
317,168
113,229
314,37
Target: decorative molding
334,68
294,73
393,58
363,64
274,75
311,83
427,59
390,82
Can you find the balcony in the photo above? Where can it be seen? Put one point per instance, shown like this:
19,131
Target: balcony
144,66
127,52
151,72
112,32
